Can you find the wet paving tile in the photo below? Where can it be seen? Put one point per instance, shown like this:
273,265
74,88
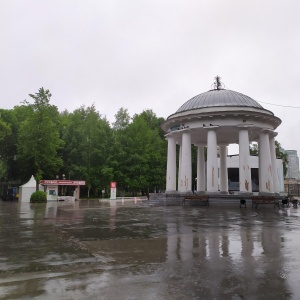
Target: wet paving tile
114,250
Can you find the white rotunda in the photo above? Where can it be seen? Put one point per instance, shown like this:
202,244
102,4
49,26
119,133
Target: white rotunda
216,119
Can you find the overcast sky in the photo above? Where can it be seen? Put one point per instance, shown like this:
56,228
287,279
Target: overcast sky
152,54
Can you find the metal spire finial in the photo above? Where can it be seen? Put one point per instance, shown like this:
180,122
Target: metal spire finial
218,85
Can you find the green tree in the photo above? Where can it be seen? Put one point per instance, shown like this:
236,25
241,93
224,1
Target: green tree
122,119
5,133
4,130
139,156
39,140
157,149
8,149
153,121
116,169
87,137
254,149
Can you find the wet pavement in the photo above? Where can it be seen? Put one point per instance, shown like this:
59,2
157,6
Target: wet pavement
94,250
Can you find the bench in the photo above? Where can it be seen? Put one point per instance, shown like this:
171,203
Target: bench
256,200
196,198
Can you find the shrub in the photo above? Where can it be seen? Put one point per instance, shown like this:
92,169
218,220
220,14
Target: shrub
38,197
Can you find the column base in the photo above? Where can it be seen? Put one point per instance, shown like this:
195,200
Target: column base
186,193
171,192
212,192
266,194
200,192
244,193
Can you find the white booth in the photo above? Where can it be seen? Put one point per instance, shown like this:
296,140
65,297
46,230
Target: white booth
56,189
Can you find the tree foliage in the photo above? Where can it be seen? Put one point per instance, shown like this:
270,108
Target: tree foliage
5,133
122,119
254,149
87,138
138,157
39,140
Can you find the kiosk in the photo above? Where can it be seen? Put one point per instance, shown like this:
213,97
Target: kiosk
57,189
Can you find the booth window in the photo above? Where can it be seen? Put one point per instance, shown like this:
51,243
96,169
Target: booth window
52,192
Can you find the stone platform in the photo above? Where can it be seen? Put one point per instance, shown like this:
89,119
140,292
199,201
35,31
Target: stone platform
232,200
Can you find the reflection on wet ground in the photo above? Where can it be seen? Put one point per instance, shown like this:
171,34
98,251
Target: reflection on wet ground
94,250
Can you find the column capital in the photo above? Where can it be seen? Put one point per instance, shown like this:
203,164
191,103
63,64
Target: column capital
244,125
176,135
168,135
210,126
266,130
273,134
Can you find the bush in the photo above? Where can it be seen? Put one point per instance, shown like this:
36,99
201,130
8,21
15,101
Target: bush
38,197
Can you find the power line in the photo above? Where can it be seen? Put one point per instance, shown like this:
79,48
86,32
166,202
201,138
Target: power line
279,104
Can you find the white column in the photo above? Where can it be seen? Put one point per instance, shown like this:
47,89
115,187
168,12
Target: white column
273,160
223,170
265,164
200,169
171,166
212,161
244,161
186,164
179,168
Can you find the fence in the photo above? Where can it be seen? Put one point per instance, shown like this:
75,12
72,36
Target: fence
292,189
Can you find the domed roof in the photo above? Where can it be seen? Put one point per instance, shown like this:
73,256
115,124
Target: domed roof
219,98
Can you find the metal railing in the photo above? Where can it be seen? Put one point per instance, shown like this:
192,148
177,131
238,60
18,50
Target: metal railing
292,189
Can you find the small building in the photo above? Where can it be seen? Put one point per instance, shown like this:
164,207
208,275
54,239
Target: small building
57,189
